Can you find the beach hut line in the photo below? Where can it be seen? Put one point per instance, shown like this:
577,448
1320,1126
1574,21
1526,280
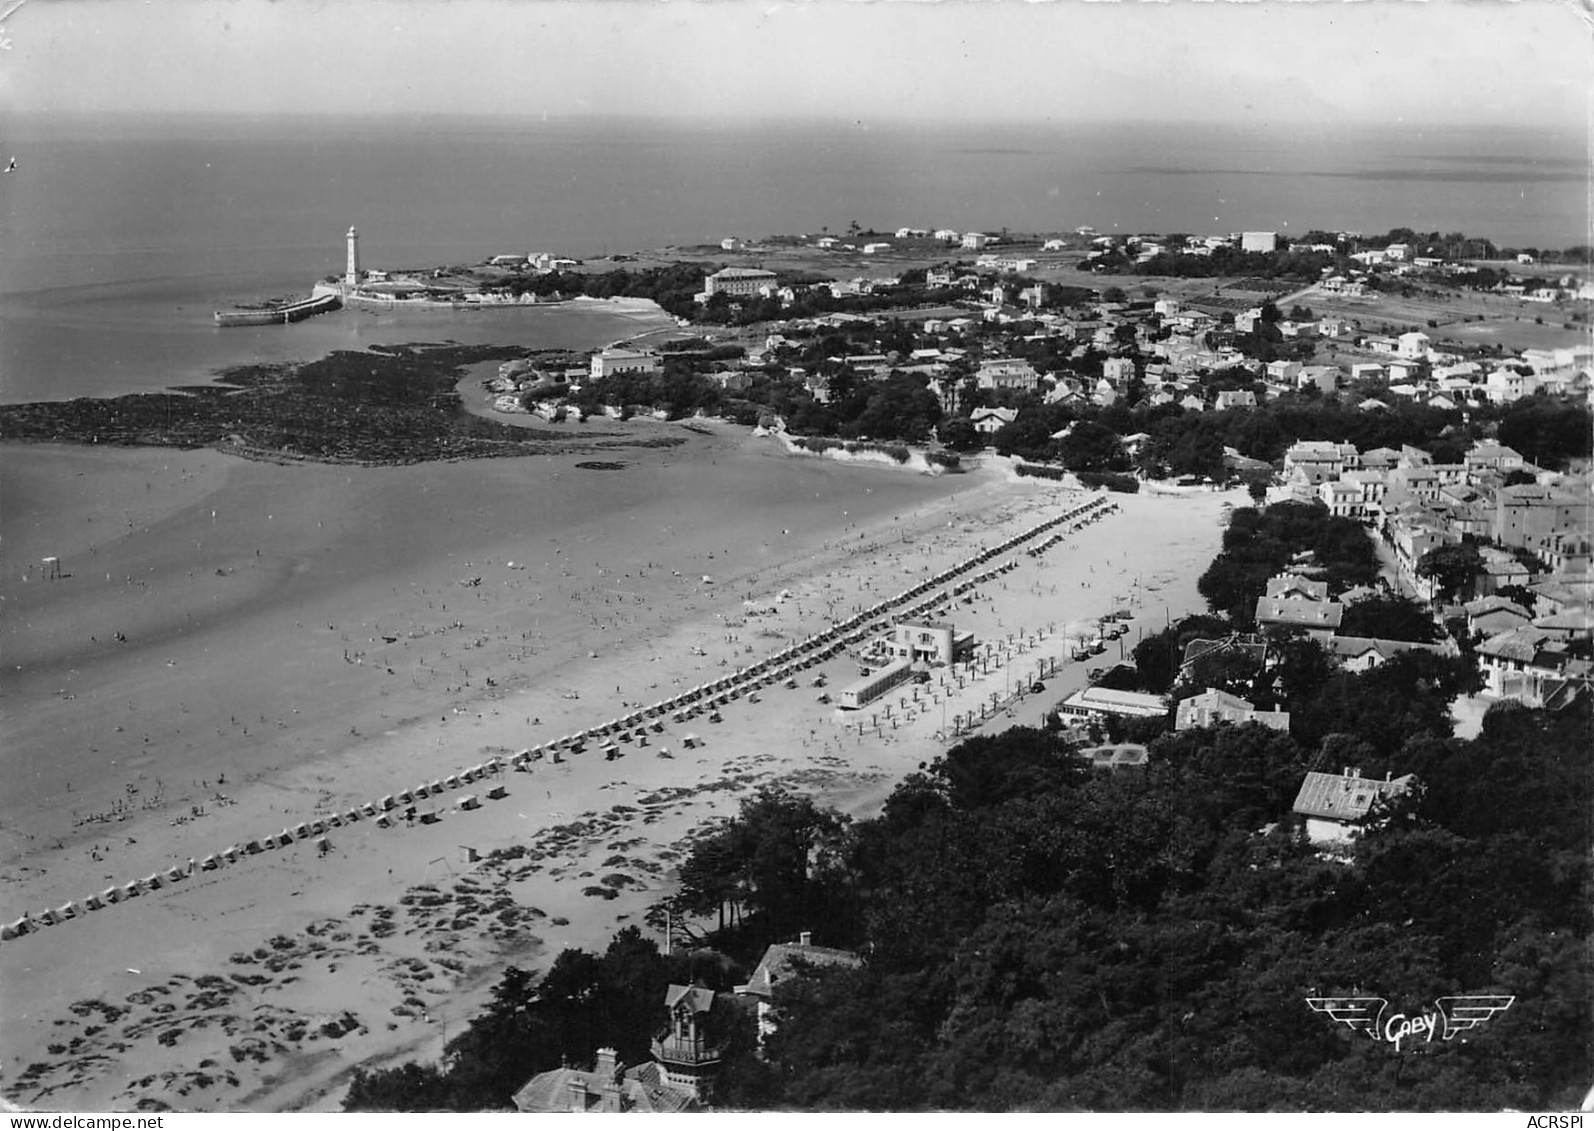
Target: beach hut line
707,697
317,829
782,666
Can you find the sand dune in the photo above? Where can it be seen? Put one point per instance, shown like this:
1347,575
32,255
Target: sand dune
402,624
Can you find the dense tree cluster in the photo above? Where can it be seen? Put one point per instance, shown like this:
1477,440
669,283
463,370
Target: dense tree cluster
1390,616
1260,544
1548,432
1041,937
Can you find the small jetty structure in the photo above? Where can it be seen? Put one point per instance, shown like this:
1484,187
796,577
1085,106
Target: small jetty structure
281,313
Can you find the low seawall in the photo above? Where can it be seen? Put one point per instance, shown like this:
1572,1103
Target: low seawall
862,453
321,303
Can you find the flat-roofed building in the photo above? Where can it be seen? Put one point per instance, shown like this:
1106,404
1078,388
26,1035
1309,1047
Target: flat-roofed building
608,362
1099,702
933,642
738,281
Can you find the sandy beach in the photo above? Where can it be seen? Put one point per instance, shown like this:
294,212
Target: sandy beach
236,647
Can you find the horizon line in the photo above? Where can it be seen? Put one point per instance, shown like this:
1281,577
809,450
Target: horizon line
656,118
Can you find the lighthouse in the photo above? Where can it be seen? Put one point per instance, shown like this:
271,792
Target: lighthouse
351,275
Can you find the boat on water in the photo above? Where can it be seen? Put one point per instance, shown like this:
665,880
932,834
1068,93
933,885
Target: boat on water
280,313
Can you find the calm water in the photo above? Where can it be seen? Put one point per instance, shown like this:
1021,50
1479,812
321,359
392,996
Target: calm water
117,239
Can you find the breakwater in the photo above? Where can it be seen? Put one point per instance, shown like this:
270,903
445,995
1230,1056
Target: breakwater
280,314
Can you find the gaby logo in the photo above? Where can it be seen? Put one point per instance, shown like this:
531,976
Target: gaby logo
1449,1017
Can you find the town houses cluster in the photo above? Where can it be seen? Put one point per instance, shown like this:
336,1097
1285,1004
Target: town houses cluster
1531,590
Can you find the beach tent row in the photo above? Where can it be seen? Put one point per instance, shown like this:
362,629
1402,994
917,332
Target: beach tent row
779,667
783,665
382,808
304,830
1038,550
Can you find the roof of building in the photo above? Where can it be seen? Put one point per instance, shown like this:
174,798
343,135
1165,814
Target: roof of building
1349,647
742,273
1571,620
1523,644
1006,414
699,999
1250,646
1213,698
1113,701
783,961
640,1089
1345,797
1286,583
1303,614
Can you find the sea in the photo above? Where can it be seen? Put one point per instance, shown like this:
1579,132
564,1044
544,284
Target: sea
120,235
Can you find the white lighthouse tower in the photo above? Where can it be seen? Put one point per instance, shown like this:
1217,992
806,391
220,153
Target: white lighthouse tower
351,274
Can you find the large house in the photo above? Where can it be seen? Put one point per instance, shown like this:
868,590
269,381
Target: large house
929,641
1007,373
608,362
783,962
1318,619
1520,662
992,419
1361,653
738,281
1337,807
1319,460
608,1087
1212,707
675,1080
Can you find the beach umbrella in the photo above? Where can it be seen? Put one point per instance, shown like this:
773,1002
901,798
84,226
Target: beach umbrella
92,903
132,889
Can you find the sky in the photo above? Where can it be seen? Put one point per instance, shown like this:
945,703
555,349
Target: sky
1485,62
